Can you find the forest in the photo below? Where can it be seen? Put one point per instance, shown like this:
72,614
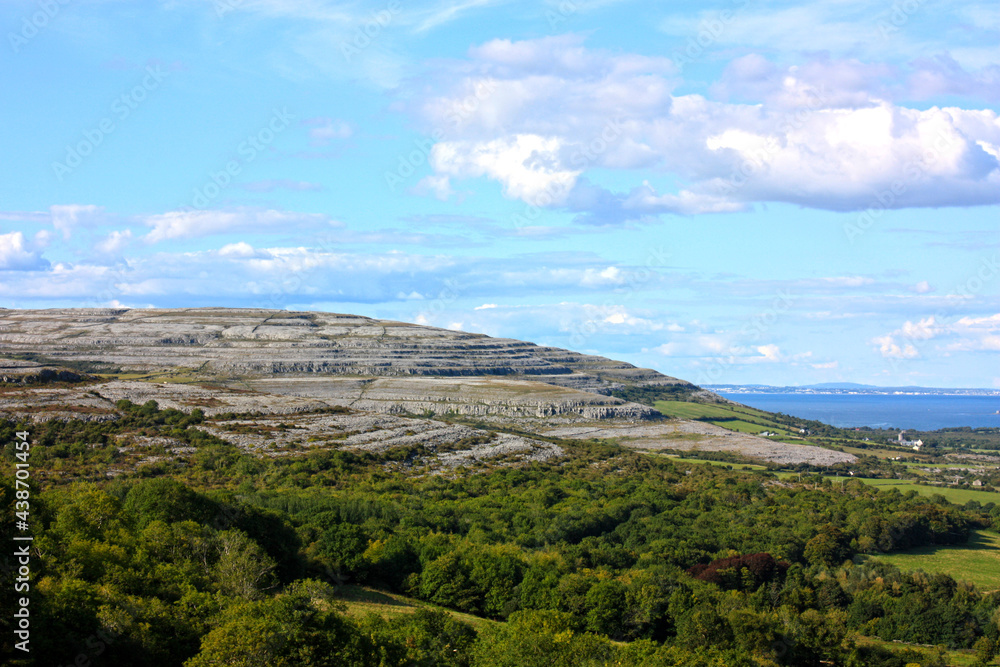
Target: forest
604,556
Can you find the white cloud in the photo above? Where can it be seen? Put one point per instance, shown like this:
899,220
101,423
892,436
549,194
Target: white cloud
535,115
191,224
967,334
324,130
818,83
770,353
943,75
527,165
588,278
67,218
436,185
900,344
890,349
976,334
238,250
924,329
644,200
16,255
848,281
114,242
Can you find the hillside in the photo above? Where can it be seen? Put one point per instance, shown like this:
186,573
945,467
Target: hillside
285,363
213,487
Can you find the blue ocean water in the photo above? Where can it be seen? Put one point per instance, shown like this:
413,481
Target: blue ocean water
920,412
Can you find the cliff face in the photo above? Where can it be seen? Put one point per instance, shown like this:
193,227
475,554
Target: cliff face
366,363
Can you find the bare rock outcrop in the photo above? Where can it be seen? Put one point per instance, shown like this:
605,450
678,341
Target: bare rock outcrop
686,435
266,343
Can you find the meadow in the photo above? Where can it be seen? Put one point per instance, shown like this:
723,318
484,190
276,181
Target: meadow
977,562
955,495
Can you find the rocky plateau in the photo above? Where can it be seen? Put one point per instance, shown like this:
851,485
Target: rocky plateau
392,384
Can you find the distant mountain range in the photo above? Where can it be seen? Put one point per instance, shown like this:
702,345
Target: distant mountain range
846,388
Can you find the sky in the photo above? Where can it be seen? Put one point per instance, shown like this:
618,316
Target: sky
732,191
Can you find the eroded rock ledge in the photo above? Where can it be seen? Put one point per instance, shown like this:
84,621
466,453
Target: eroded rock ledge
345,359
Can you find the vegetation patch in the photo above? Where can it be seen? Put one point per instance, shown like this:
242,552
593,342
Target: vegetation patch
977,561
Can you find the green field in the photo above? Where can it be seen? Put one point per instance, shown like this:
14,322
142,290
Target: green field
958,496
724,464
961,658
686,410
361,601
977,562
731,417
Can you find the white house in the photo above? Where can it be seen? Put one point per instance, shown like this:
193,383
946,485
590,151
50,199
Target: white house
916,444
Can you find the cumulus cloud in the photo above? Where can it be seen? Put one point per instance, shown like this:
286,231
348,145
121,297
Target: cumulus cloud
536,115
976,334
904,342
527,165
18,255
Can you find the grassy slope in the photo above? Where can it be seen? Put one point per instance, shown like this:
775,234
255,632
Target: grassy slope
958,496
361,600
685,410
734,418
977,562
962,658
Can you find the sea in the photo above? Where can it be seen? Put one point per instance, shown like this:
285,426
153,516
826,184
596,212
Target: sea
922,412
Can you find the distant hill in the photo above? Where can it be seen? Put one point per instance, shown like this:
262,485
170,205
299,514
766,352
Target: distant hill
848,387
346,360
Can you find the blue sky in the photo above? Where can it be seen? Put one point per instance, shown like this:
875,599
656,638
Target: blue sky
728,192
